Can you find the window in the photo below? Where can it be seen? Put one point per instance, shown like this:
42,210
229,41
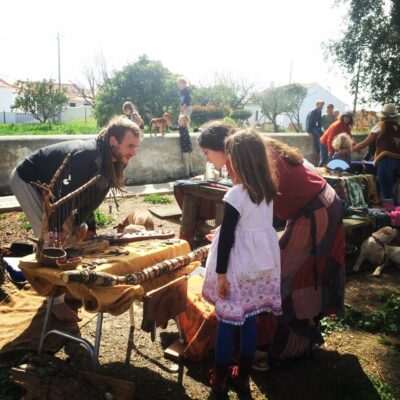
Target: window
72,104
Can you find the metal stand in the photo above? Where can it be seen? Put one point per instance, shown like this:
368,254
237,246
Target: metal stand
92,349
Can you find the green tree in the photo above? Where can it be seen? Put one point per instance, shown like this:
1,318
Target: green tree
146,83
224,90
369,49
294,96
273,103
42,99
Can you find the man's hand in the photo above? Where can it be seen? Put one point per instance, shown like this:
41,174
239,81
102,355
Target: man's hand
222,286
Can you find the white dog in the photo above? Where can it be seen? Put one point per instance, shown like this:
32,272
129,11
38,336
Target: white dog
377,251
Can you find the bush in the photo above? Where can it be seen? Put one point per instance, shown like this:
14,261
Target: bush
157,199
203,114
102,219
240,114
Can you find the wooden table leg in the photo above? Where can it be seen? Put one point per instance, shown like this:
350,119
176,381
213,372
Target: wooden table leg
189,216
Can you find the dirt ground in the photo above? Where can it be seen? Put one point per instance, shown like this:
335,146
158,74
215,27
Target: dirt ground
340,369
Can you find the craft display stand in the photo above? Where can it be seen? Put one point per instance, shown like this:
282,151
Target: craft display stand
192,196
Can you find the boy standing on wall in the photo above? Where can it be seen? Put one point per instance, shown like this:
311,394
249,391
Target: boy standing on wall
184,96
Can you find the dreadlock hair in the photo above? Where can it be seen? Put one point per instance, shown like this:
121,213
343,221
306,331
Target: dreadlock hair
290,154
251,165
118,127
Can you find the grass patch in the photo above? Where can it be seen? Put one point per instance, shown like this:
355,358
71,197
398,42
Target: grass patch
385,391
24,222
385,321
4,216
157,199
102,219
69,128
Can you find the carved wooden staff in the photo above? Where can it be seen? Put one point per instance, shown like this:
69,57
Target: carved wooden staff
135,278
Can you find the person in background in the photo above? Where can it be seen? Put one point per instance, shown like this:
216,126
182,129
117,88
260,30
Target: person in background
185,99
329,118
242,276
326,121
344,124
186,145
314,127
336,114
386,136
342,145
129,111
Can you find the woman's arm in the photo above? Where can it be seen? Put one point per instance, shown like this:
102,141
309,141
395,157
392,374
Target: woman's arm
366,142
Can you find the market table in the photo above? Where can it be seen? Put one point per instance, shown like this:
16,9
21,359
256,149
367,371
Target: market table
114,300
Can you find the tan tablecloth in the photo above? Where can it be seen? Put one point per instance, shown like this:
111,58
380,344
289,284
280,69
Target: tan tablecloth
113,299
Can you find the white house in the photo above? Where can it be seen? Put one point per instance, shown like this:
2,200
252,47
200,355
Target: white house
315,92
6,96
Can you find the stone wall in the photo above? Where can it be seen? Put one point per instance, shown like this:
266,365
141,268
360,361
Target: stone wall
158,159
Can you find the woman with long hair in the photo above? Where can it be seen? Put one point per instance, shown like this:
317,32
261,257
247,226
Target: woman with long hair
312,247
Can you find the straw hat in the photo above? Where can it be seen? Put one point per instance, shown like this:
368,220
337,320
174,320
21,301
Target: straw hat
388,111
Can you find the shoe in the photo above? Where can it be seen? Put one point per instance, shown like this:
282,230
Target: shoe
260,364
218,385
240,383
388,205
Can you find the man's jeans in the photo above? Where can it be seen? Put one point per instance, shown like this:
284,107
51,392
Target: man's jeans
323,155
316,135
387,172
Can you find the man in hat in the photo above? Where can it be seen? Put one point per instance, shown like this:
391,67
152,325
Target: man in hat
386,135
313,124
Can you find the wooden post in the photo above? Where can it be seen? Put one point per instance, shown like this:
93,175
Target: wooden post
189,217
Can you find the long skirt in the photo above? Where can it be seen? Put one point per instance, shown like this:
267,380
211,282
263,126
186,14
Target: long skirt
312,278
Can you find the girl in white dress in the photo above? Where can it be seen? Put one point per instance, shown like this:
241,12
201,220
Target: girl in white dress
243,267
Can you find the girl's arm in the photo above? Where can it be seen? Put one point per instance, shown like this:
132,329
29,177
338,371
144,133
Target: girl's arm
226,237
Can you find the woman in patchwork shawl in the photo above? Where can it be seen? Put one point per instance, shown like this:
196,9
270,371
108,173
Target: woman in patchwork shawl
312,249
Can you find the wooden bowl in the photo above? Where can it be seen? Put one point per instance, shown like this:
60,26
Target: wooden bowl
69,264
50,255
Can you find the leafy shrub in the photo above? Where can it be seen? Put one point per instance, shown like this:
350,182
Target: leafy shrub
157,199
102,219
203,114
240,114
24,222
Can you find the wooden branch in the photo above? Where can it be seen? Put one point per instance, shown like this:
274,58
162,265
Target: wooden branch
135,278
75,193
58,172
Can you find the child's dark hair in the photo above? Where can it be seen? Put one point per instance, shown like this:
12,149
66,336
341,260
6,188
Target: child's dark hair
250,162
214,134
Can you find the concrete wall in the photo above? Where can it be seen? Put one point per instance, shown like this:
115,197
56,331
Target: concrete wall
158,159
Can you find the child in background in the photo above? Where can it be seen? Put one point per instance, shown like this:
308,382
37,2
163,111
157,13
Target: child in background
342,145
185,99
129,110
186,145
243,267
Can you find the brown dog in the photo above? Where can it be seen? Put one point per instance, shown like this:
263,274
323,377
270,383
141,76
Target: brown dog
139,217
159,124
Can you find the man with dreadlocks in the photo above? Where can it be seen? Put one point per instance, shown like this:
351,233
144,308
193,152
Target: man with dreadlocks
107,156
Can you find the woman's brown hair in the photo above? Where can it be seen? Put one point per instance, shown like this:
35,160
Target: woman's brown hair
251,165
290,154
117,127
